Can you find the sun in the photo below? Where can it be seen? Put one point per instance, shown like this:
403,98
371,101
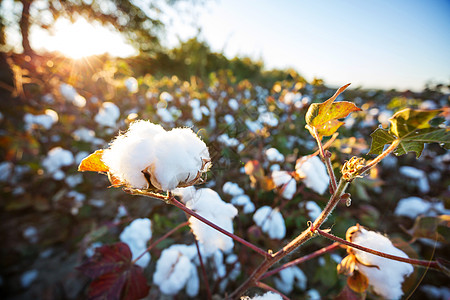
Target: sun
81,39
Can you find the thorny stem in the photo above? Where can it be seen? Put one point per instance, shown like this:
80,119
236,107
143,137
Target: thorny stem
160,240
377,159
417,262
302,259
271,289
205,277
326,157
176,203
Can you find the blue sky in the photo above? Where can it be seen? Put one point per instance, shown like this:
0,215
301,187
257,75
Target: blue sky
374,44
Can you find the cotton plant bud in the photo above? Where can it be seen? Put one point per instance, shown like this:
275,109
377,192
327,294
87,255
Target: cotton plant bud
148,157
351,169
384,276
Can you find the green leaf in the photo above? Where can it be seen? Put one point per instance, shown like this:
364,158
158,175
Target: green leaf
413,129
380,137
324,116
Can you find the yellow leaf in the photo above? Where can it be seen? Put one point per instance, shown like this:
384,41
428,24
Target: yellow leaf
93,163
358,282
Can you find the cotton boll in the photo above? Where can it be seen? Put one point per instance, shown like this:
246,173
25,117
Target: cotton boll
244,200
387,279
136,235
418,175
186,194
169,158
274,155
45,120
107,115
193,283
269,119
71,95
232,188
313,209
229,119
266,296
289,277
209,205
270,221
314,173
280,177
28,278
313,294
233,104
173,271
412,207
131,84
57,158
289,189
165,115
165,96
226,140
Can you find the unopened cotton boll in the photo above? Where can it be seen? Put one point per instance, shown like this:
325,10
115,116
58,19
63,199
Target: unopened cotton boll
314,173
387,278
169,159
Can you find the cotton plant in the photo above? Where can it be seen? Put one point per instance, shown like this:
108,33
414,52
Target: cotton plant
147,160
239,198
107,115
136,235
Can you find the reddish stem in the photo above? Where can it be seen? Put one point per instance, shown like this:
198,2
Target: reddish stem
271,289
160,240
417,262
176,203
205,277
302,259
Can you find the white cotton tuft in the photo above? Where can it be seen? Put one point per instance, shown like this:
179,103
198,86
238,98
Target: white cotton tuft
131,84
274,155
288,278
107,115
314,173
173,271
271,222
412,207
313,209
169,157
244,200
56,159
209,205
232,189
418,175
28,278
387,279
137,235
45,120
233,104
266,296
284,179
268,118
71,95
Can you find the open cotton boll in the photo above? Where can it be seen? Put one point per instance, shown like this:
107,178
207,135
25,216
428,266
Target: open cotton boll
232,189
137,235
131,84
45,120
56,159
107,115
233,104
209,205
28,278
412,207
313,209
173,271
314,173
71,95
284,179
274,155
418,175
288,278
271,222
168,158
266,296
387,279
244,200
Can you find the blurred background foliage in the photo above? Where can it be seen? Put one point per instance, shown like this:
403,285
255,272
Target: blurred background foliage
48,224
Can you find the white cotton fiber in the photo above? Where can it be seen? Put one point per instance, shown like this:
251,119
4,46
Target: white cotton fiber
313,209
274,155
209,205
387,279
232,188
71,95
266,296
107,115
169,157
288,278
284,180
137,235
271,222
244,200
56,159
28,278
314,173
412,207
418,175
131,84
173,270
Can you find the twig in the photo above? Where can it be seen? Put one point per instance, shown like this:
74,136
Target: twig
205,277
417,262
302,259
271,289
176,203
